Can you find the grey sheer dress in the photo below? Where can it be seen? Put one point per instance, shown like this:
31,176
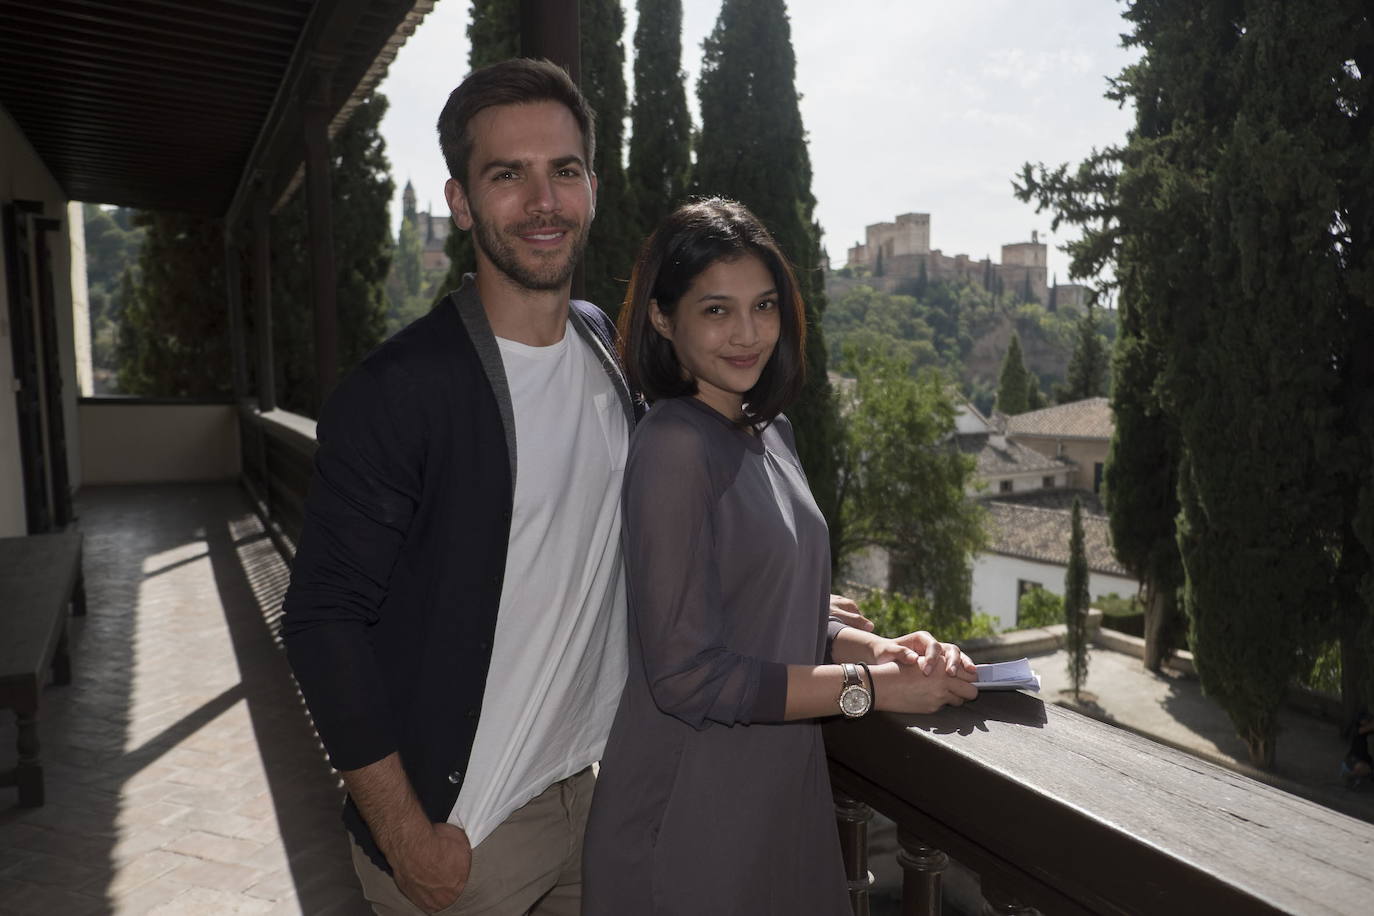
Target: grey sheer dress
707,802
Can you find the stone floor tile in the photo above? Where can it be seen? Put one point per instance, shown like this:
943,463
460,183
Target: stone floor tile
276,885
20,898
221,876
212,846
147,897
53,870
203,901
141,869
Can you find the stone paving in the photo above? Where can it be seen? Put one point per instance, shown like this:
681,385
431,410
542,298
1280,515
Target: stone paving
182,773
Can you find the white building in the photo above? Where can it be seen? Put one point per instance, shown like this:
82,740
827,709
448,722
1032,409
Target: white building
1028,546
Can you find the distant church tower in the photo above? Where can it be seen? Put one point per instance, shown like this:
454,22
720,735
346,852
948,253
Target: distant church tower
408,204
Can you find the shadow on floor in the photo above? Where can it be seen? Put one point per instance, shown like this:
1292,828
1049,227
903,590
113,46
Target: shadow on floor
180,763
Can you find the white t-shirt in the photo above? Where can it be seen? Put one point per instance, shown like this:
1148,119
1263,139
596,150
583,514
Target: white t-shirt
559,656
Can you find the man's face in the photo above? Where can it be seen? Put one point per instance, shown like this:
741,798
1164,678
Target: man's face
530,197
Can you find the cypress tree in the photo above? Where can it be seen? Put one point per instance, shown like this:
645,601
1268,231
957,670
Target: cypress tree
1261,375
1076,604
1240,215
661,138
752,147
614,237
1013,380
1088,364
1034,398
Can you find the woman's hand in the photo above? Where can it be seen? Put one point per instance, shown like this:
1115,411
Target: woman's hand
907,689
847,612
930,654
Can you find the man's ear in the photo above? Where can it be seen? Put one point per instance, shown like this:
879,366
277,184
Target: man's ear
458,204
660,321
591,215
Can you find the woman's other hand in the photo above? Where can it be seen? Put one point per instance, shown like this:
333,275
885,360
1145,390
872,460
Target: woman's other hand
847,612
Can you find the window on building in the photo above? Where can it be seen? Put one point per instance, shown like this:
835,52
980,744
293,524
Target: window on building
1004,486
1023,586
1047,482
1097,477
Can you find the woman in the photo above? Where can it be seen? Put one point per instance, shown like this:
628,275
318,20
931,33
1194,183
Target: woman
713,796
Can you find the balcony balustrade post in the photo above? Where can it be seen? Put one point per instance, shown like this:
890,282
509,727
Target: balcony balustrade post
262,302
316,112
923,869
997,903
233,288
852,817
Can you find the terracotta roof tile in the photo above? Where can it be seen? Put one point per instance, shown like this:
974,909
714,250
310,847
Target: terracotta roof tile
1043,534
1090,419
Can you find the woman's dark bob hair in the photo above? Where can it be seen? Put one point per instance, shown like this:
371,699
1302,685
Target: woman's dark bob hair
691,239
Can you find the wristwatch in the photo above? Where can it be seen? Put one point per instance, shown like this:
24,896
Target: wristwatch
855,699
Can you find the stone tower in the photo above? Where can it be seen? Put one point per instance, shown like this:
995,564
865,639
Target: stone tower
408,203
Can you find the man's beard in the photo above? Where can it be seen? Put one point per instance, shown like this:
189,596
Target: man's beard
546,273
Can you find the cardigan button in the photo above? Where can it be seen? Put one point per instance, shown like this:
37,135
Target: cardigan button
455,777
474,712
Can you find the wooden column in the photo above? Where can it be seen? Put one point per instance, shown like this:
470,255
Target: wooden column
315,115
922,871
262,302
852,817
233,292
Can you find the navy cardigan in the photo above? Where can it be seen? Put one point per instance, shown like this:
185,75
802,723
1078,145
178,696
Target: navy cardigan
391,612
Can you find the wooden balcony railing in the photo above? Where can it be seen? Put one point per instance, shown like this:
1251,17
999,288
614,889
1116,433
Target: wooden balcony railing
278,456
1061,814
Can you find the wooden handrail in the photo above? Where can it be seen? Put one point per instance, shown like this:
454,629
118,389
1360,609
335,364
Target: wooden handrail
1069,815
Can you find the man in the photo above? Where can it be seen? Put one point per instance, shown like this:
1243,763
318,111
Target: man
456,612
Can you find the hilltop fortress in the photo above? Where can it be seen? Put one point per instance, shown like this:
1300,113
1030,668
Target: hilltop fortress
897,253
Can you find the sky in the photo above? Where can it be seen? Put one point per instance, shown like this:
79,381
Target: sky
909,106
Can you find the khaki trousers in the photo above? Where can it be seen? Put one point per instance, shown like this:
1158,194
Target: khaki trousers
531,865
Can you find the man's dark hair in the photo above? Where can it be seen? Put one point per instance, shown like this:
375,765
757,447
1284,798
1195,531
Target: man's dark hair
691,239
519,81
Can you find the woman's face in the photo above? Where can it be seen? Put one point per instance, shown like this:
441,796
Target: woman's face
724,330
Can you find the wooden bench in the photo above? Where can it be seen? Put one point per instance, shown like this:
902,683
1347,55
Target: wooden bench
40,575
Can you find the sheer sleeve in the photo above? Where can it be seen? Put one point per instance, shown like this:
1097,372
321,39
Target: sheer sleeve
674,587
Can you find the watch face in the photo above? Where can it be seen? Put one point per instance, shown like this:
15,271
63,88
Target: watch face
854,700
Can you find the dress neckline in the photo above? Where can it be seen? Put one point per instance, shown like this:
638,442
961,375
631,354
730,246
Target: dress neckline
752,442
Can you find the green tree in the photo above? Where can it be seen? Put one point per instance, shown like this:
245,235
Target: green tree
1038,608
173,336
1088,366
1013,380
661,127
1239,213
614,238
752,147
361,190
112,247
1076,601
902,484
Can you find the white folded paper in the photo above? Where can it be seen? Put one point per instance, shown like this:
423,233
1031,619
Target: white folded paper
1014,675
